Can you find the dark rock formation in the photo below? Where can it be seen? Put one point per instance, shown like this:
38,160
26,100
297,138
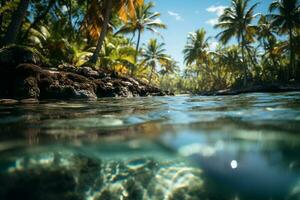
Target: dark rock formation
67,176
11,56
12,77
22,78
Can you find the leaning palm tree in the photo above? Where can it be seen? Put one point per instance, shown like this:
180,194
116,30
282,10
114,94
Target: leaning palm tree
15,24
153,56
236,22
124,8
144,19
286,18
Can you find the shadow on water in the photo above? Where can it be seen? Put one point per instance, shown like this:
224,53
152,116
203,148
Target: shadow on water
174,148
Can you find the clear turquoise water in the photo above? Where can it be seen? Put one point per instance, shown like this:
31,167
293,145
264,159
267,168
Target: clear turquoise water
243,147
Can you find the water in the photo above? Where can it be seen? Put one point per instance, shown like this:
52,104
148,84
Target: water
243,147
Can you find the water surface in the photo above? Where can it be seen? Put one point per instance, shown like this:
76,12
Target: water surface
242,147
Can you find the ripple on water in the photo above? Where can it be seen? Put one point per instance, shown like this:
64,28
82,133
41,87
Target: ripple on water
81,123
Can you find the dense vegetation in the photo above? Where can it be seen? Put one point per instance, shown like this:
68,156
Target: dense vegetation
266,52
106,34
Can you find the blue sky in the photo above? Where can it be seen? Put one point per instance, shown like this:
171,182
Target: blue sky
184,16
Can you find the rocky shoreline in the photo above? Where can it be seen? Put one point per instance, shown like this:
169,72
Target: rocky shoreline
22,77
268,88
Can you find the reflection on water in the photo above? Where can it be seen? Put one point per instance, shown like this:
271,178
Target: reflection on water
171,148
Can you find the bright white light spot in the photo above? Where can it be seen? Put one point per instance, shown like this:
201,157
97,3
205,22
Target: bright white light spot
234,164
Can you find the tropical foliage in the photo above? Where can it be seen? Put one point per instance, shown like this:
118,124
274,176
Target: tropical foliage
267,50
85,32
106,34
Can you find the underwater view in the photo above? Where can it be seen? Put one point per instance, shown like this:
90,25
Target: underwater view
149,100
242,147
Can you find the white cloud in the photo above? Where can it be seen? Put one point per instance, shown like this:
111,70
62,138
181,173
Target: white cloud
212,22
175,15
219,10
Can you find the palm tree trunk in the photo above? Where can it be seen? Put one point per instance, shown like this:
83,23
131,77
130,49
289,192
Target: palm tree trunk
136,51
93,60
137,44
244,63
151,74
1,21
39,18
70,19
16,23
292,55
1,15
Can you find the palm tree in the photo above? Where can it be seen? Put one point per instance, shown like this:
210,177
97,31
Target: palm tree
124,8
286,19
117,52
40,16
266,31
196,49
16,23
169,66
236,22
92,20
229,58
144,19
153,56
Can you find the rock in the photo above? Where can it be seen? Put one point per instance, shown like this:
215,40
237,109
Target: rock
109,84
39,183
26,81
68,68
67,92
27,88
89,72
132,80
10,58
14,55
126,190
125,92
65,175
185,184
85,94
115,74
126,83
65,85
31,81
28,70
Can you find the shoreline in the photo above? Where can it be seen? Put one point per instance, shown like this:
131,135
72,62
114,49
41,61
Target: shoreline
266,88
24,76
